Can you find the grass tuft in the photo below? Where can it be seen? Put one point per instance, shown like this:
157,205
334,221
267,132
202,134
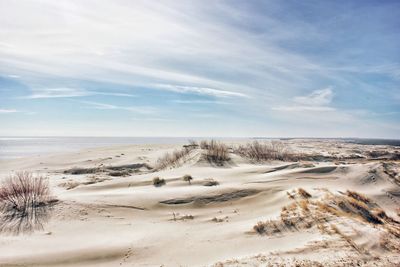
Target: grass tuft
303,193
157,181
187,178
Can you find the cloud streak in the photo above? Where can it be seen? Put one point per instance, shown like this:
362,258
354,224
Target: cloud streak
133,109
317,100
69,92
7,111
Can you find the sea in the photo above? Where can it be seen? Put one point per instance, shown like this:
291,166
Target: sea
20,147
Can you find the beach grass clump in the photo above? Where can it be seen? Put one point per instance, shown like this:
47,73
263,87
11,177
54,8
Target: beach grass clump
187,178
303,193
211,182
157,181
357,196
274,150
216,151
173,159
23,191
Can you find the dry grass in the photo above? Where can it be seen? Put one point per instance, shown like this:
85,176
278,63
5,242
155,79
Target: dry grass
94,180
119,173
260,227
204,144
303,193
357,196
23,191
172,159
306,213
177,216
304,205
70,184
77,171
364,211
215,151
211,182
157,181
187,178
266,151
219,220
339,215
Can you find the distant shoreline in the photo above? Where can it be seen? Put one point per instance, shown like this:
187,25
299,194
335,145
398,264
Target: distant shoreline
13,147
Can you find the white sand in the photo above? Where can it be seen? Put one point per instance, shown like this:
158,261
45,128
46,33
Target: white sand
101,224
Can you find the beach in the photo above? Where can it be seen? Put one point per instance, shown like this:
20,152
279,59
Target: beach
109,212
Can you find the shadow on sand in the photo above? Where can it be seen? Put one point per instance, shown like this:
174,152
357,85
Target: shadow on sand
14,222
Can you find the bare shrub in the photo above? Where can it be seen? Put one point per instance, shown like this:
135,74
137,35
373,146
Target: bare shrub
23,191
216,151
157,181
266,151
187,178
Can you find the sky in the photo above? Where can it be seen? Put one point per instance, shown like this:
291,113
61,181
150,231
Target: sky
200,68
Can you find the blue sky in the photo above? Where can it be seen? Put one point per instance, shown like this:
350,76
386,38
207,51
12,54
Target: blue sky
200,68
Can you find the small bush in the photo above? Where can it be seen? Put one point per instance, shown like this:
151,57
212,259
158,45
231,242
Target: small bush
187,178
23,191
157,181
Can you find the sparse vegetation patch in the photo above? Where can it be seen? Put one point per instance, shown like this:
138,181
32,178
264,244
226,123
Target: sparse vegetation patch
157,181
187,178
274,150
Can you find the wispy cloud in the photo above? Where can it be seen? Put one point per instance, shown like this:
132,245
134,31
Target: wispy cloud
215,102
133,109
199,90
5,111
318,100
69,92
302,108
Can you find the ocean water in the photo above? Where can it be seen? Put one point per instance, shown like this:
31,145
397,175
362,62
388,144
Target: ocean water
19,147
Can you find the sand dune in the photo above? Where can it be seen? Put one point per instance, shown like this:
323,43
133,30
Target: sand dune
109,212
